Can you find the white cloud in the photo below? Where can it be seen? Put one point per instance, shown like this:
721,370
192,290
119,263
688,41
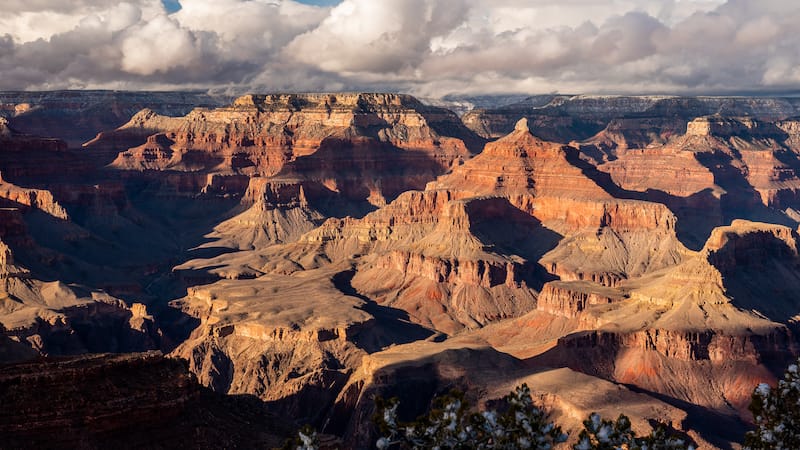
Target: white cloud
252,25
431,47
29,20
371,36
158,46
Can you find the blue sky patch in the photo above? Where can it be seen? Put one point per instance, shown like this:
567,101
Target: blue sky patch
175,5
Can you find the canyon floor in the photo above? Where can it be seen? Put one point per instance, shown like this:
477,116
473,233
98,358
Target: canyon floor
257,263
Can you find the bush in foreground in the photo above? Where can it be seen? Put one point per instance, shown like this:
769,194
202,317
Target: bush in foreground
601,434
519,424
776,412
522,425
450,425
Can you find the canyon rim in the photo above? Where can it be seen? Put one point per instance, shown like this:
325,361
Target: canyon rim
220,222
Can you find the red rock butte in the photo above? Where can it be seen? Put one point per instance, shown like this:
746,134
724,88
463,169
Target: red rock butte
311,251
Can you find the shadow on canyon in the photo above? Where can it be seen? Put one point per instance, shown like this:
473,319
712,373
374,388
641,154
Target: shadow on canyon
507,230
763,267
701,212
414,383
717,428
127,230
600,363
137,400
393,326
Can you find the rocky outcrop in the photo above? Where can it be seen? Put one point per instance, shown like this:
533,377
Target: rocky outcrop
568,118
350,152
674,172
8,267
261,133
416,372
77,116
703,318
17,197
683,345
662,361
292,341
130,400
539,177
632,133
477,247
570,298
726,127
27,158
273,212
325,247
609,256
53,318
748,244
521,163
725,168
153,154
6,259
466,251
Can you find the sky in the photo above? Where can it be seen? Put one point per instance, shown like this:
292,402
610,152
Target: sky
425,47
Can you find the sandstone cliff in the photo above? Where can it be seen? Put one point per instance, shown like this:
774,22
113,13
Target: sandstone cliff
466,251
704,318
272,212
78,115
462,254
347,153
260,134
565,118
416,372
325,247
291,340
124,401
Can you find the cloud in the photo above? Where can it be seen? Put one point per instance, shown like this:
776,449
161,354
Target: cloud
378,37
137,44
428,47
159,46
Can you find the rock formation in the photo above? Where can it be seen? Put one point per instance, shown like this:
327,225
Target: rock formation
472,249
423,369
271,212
564,118
130,400
54,318
291,340
260,134
77,116
346,153
704,318
633,254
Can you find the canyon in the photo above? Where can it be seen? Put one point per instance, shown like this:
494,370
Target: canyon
281,259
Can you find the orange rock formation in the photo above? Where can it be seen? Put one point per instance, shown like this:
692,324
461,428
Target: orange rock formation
323,248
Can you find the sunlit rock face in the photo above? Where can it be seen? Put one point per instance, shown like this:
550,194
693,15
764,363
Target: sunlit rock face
313,250
77,116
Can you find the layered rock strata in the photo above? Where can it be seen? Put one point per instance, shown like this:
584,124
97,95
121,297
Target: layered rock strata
131,400
310,276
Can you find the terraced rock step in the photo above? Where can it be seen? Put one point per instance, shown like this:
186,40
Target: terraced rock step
125,401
